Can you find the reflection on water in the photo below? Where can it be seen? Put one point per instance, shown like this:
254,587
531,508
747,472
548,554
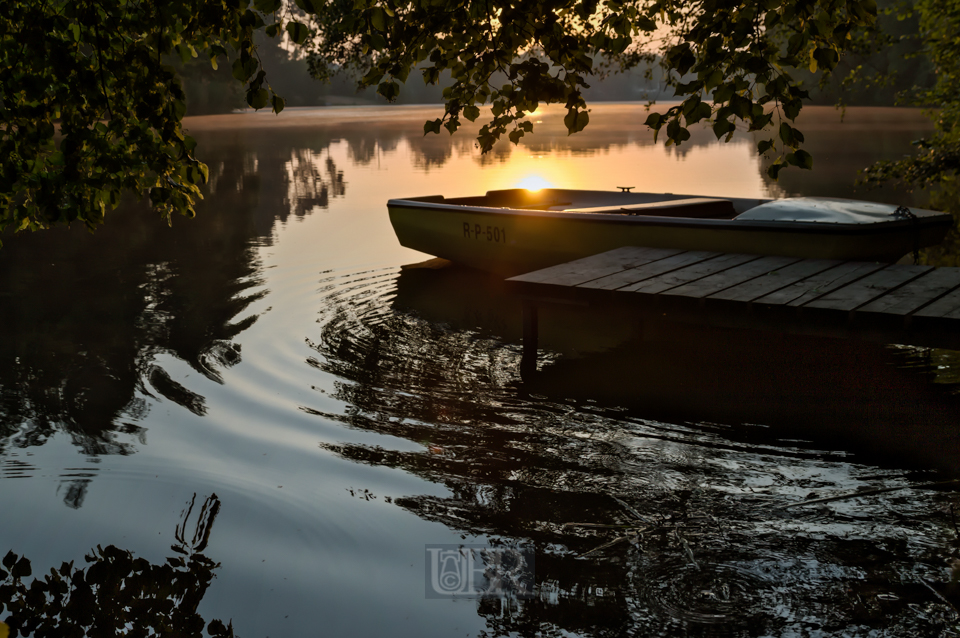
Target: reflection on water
90,314
350,411
117,591
685,446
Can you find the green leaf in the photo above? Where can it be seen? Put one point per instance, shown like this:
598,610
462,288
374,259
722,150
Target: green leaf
298,32
431,75
760,122
774,170
826,58
277,102
377,42
575,120
432,126
372,77
401,72
378,19
307,6
583,118
243,70
702,112
791,108
712,80
471,113
645,24
681,58
723,127
258,99
723,93
741,106
21,569
763,146
389,90
789,135
267,6
677,133
179,109
801,158
654,121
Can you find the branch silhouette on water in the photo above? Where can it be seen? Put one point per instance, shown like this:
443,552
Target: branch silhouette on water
116,594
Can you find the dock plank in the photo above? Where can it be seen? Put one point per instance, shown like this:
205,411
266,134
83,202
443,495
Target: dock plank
823,282
732,276
953,314
879,302
670,280
917,293
580,271
646,271
947,306
868,288
775,280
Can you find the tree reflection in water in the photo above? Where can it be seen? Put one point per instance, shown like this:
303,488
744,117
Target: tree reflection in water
635,442
93,313
116,593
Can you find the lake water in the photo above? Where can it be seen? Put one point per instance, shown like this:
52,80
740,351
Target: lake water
267,393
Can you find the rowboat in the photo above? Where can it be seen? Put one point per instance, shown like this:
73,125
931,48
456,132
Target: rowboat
518,230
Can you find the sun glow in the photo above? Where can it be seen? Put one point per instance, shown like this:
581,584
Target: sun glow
534,183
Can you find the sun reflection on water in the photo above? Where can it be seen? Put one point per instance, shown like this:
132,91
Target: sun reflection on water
534,183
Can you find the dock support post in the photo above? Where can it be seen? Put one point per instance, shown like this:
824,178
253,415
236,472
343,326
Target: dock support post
528,361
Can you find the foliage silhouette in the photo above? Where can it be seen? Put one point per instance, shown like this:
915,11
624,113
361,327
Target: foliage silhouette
728,61
937,158
117,594
92,107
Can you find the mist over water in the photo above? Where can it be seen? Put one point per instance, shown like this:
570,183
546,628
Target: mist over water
267,391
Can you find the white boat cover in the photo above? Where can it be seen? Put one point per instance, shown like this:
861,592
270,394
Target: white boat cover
823,210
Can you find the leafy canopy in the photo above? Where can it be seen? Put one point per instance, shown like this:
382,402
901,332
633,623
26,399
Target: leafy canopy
937,160
730,61
90,106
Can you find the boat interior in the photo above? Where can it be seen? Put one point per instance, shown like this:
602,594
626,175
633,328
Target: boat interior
605,202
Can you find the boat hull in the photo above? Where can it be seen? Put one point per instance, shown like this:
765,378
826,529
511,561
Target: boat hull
512,242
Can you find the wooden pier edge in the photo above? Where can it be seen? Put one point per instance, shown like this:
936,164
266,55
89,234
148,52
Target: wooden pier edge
887,303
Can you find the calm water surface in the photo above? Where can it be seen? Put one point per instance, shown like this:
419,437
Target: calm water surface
268,389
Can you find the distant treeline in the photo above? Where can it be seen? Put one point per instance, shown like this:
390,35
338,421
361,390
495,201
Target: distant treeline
885,70
216,91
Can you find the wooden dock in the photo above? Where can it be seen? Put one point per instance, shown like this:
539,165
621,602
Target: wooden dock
890,303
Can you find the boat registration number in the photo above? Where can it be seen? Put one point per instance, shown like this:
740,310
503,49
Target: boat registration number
490,233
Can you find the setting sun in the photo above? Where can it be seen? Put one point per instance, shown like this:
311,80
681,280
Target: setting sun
534,183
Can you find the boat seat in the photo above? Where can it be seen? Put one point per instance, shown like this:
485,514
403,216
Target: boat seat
699,207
